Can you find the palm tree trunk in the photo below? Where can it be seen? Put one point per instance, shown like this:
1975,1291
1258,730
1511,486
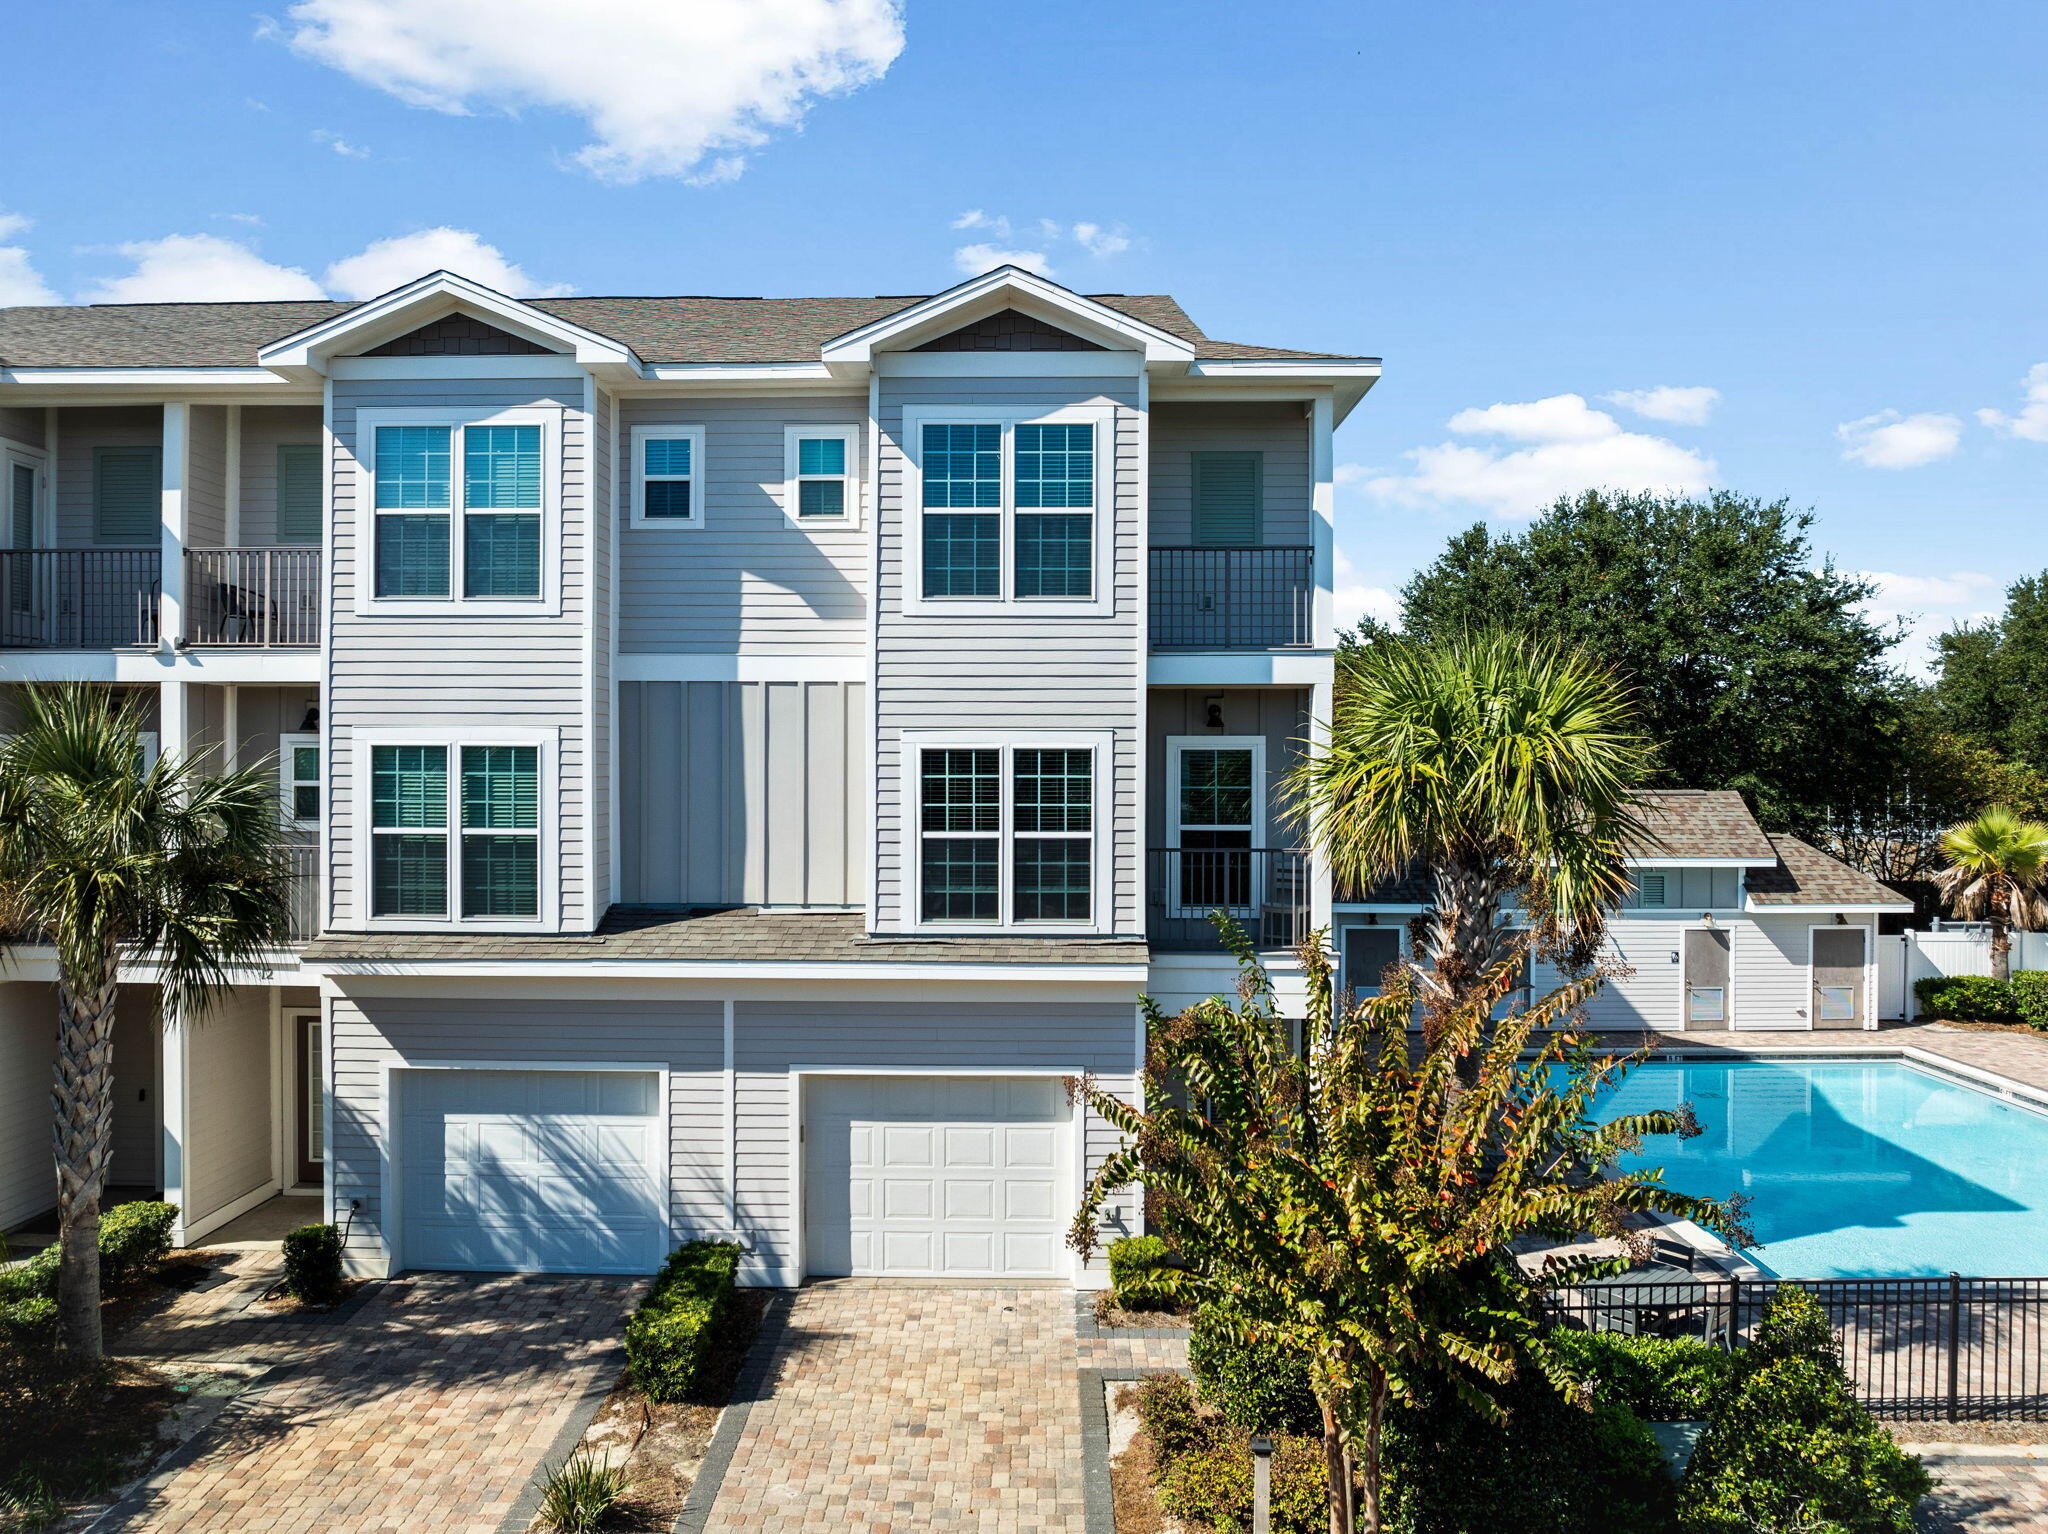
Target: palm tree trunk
1461,940
83,1140
2001,937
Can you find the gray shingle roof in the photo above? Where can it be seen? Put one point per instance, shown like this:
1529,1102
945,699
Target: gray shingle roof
681,330
1806,876
745,936
1703,823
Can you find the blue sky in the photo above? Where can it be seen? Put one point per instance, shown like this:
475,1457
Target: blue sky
1829,215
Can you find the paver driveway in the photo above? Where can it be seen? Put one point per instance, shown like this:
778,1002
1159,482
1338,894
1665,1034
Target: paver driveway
896,1407
426,1410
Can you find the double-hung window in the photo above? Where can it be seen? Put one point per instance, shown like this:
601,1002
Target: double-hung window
298,771
820,481
1009,509
668,476
455,831
1007,834
459,510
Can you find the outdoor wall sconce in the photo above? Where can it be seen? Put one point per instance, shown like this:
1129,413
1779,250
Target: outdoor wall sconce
1213,717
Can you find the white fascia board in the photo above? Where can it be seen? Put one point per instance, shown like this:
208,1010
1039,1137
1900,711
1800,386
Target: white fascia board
736,969
1750,907
1240,668
748,374
1662,862
39,963
223,666
428,298
1378,907
689,666
130,378
1005,287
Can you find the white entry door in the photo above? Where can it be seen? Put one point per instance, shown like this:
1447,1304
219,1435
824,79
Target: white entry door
936,1177
531,1171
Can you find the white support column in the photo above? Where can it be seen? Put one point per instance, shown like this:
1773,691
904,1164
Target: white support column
230,727
177,452
177,1115
1323,524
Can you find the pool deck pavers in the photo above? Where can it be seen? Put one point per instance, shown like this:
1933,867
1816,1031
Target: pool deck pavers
1978,1494
2021,1057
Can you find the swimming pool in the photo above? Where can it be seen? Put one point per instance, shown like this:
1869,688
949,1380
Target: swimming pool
1854,1168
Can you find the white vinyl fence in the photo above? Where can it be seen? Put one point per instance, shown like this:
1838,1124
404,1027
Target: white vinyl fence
1952,951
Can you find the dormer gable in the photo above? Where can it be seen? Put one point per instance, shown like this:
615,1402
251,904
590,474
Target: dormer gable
1010,330
459,335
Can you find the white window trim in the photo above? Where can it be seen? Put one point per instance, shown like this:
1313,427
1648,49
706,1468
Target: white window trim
638,479
1867,991
1350,929
1102,894
1177,746
915,418
37,462
851,480
1672,905
548,604
286,744
362,745
1685,1019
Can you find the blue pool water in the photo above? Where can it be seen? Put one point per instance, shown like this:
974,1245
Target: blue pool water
1856,1169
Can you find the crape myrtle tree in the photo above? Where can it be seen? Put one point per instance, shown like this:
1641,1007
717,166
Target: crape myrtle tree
1342,1201
109,861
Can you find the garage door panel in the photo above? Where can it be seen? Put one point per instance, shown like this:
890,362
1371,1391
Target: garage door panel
907,1145
971,1147
1030,1201
970,1199
1033,1146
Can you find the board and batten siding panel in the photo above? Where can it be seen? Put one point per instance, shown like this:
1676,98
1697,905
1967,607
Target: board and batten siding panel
743,793
206,484
266,428
1012,672
80,429
751,580
23,424
228,1068
1280,715
1279,430
771,1037
465,674
371,1034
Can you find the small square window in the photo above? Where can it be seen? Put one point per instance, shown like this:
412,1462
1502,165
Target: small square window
818,472
668,476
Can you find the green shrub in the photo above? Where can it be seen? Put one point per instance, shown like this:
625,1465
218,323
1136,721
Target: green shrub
1133,1260
312,1264
133,1240
27,1322
1966,999
1255,1386
2030,996
1788,1447
1166,1410
582,1494
1212,1487
1660,1379
35,1279
671,1334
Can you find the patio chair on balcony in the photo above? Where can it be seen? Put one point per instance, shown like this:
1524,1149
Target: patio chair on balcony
240,615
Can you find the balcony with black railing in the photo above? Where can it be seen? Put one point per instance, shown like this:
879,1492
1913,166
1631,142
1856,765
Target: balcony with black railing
1233,599
261,598
1265,890
109,599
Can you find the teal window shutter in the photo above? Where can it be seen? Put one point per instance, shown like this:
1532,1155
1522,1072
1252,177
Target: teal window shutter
298,492
127,494
1227,493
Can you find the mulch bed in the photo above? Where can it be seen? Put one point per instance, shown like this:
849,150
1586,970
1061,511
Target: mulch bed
181,1271
663,1442
103,1428
2028,1029
274,1301
1109,1314
1133,1496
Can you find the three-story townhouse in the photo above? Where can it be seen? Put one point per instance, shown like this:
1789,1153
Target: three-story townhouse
747,753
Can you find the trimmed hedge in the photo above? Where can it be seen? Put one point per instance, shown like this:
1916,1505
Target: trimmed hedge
1255,1386
312,1264
671,1334
133,1240
1132,1262
1966,999
2030,996
1660,1379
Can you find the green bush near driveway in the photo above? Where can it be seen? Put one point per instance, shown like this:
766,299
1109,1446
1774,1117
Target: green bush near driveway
582,1495
2030,996
1259,1388
312,1264
1133,1260
672,1333
1967,999
1202,1466
133,1240
1660,1379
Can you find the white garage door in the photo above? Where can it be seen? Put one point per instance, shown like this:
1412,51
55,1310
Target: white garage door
531,1171
936,1176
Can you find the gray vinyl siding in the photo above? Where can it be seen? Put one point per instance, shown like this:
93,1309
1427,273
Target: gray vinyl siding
1279,714
227,1061
372,1033
22,423
206,466
743,793
264,429
750,580
1280,431
455,672
80,429
28,1051
1009,673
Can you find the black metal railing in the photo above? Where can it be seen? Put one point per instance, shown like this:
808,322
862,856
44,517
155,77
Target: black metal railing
1266,889
1960,1348
78,599
1233,599
252,597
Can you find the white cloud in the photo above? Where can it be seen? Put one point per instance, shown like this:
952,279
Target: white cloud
387,264
253,220
197,268
666,89
973,260
1889,440
20,283
1930,606
1354,599
974,218
340,145
1573,447
1681,405
2032,421
1102,243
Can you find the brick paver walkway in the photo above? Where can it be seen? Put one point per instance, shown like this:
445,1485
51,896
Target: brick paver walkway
899,1408
426,1409
1984,1495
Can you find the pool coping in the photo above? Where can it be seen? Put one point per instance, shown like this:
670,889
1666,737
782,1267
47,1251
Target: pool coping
1977,1076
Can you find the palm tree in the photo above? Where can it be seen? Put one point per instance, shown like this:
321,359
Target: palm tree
1998,872
1503,766
110,862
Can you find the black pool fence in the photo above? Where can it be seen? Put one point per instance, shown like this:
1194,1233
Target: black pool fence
1955,1348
